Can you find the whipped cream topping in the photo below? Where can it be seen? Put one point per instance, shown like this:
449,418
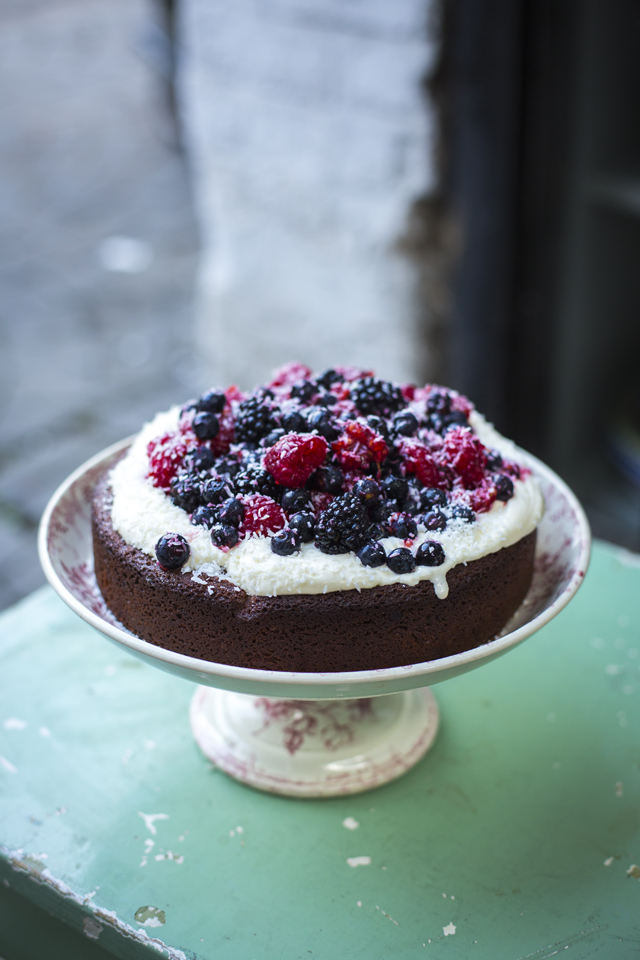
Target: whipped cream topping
142,513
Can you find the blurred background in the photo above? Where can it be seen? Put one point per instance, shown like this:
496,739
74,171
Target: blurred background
193,192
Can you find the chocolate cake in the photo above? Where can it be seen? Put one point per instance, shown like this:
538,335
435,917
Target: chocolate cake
327,523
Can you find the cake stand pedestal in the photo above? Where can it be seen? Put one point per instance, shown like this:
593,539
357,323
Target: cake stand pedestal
313,748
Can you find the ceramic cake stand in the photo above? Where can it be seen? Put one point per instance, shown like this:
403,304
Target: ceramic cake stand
312,734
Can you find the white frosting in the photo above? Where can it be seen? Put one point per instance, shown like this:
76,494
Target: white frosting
142,513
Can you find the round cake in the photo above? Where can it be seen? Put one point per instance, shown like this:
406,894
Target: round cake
321,523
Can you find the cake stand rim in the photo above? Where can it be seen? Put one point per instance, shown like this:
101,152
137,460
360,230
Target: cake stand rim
424,674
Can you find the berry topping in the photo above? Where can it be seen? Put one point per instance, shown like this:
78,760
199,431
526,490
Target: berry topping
395,488
214,401
185,492
454,419
494,459
305,526
295,500
359,446
272,437
304,390
172,551
262,516
504,487
328,378
320,420
430,554
439,401
402,525
214,491
372,555
290,373
458,511
418,460
203,459
432,497
254,419
224,535
293,422
204,516
166,454
292,460
377,397
434,520
405,423
285,543
330,479
343,525
401,560
377,531
230,512
368,491
465,454
206,426
252,478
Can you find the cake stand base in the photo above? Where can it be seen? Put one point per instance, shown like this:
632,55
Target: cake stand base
314,748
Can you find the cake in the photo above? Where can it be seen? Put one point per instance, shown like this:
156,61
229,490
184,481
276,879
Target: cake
320,523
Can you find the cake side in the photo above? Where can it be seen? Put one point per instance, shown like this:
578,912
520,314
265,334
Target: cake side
383,626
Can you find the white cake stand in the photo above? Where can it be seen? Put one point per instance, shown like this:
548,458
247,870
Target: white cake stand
312,734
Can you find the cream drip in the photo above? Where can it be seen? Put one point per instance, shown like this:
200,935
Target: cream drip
142,513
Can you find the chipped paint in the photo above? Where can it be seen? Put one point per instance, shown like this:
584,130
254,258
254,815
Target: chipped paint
150,820
91,928
609,861
385,914
634,871
150,916
179,858
358,861
350,823
449,930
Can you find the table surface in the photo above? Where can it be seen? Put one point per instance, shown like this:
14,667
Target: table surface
512,839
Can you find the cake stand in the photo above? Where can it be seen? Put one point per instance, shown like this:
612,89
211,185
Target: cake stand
312,734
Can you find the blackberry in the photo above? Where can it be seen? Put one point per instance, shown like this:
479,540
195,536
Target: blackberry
214,491
254,420
224,535
320,420
460,512
328,378
253,478
395,488
430,554
439,401
304,525
293,501
372,555
227,466
203,459
172,551
325,400
378,397
434,520
204,516
402,525
329,479
432,497
405,423
368,491
185,492
293,422
504,487
285,543
401,560
230,512
304,390
206,426
214,401
343,525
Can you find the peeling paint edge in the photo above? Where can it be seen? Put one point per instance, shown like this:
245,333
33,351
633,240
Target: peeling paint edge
19,861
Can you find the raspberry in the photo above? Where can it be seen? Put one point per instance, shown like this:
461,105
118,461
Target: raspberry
467,456
482,497
290,373
292,460
320,501
343,525
418,459
262,516
166,454
359,446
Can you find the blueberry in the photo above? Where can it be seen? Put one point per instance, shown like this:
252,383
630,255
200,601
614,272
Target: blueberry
401,560
285,543
378,531
204,516
459,512
439,402
214,490
304,390
295,500
434,520
330,478
368,491
203,458
494,459
272,437
224,535
434,422
318,419
372,555
206,426
379,425
214,401
329,377
230,512
430,554
432,497
405,423
402,525
504,487
304,525
172,551
293,422
454,419
395,488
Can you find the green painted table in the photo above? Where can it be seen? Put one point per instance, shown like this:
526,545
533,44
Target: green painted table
513,838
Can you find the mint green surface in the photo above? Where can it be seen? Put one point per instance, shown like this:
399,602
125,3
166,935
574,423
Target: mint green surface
502,829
